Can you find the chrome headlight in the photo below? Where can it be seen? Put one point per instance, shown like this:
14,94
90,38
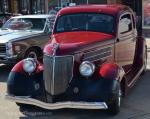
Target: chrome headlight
29,65
86,68
9,49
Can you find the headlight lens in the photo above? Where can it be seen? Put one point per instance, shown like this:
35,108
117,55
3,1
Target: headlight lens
9,49
86,68
29,65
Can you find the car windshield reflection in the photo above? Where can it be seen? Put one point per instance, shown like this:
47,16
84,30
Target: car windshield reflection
85,22
25,24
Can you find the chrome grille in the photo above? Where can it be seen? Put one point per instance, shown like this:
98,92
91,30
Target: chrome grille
58,72
2,48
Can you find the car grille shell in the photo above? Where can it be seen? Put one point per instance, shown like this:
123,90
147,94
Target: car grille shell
58,72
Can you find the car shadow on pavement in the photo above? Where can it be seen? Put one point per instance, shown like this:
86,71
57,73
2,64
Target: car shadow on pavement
4,72
38,113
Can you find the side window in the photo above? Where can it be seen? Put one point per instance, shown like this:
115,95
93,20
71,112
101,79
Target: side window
125,24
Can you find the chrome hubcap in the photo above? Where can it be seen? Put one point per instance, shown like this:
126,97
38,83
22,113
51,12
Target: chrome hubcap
145,62
119,98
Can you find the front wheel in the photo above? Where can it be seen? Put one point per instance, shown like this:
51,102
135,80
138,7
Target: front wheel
114,106
33,53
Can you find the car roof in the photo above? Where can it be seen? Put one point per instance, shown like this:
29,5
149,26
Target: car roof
98,8
34,16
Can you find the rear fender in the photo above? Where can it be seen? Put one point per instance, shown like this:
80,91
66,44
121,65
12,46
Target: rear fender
18,67
111,71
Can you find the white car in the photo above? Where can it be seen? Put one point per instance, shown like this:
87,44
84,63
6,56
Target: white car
24,36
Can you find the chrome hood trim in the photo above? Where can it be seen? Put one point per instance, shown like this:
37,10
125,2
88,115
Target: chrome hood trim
13,35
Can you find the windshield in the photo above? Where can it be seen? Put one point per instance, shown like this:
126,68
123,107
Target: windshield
25,24
85,22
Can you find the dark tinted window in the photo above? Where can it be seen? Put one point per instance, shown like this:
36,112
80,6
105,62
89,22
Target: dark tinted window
125,23
85,22
25,23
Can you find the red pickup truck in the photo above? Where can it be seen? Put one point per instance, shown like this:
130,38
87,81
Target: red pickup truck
93,58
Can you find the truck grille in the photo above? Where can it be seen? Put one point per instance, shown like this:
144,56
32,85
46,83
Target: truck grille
58,71
2,48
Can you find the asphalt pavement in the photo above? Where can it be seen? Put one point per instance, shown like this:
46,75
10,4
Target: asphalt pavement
134,106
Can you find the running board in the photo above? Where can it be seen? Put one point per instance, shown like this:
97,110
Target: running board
133,75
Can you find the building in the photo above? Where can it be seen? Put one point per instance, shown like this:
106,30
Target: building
23,6
45,6
52,6
57,4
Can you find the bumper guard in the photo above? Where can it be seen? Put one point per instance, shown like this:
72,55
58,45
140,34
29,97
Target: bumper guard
58,105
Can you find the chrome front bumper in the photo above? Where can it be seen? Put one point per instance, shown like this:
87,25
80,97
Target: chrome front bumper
8,60
58,105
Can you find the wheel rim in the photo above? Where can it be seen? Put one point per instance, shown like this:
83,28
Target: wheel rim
119,97
32,55
145,61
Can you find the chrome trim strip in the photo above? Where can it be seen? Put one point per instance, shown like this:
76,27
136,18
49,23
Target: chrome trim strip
103,44
108,53
52,86
99,51
135,78
58,56
57,105
72,68
8,57
98,54
2,55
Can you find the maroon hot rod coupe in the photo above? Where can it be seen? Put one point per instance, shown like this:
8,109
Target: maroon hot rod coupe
93,58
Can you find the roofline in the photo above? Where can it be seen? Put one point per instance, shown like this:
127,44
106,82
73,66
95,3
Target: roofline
34,16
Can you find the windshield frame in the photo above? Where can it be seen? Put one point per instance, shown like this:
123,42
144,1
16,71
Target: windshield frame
58,17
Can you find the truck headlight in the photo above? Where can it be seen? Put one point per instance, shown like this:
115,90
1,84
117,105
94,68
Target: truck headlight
9,49
29,65
86,68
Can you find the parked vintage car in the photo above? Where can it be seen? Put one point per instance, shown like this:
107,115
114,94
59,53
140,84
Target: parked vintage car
24,36
4,17
93,58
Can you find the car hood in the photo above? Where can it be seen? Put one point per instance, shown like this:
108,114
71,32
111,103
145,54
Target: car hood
73,41
13,35
5,32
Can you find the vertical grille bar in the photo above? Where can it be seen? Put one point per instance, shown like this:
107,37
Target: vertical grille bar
48,72
2,48
58,72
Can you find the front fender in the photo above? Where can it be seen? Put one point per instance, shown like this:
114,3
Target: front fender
111,71
20,83
19,67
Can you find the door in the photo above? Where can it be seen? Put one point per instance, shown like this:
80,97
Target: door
126,41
